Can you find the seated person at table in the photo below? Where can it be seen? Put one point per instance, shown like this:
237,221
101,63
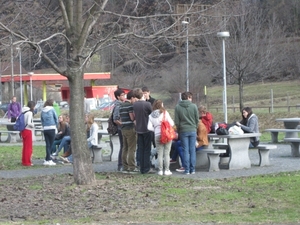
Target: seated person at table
206,118
202,138
63,130
176,149
249,124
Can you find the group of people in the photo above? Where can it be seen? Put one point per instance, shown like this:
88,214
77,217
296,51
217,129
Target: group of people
139,118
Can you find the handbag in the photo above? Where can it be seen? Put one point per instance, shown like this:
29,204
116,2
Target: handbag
222,131
167,132
235,130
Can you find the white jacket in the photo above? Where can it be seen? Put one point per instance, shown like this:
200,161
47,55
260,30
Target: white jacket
155,119
93,139
28,117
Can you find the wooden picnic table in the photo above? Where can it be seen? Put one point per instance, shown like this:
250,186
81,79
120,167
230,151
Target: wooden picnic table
239,146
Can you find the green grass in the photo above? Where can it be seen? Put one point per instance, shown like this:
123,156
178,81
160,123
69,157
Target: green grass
11,156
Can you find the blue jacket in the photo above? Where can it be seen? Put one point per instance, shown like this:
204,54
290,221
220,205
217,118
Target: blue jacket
49,118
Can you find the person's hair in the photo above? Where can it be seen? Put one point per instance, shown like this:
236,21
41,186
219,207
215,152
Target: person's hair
202,108
186,95
158,104
145,89
31,105
90,121
118,93
62,124
249,111
130,95
49,102
138,93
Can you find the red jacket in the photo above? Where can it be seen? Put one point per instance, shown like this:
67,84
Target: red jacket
207,120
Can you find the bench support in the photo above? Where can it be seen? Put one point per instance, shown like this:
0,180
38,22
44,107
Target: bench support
115,147
263,151
295,149
213,159
208,158
12,136
96,154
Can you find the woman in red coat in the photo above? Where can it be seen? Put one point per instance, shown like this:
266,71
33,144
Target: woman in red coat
206,117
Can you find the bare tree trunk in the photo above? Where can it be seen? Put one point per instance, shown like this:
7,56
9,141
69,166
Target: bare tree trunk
83,169
241,93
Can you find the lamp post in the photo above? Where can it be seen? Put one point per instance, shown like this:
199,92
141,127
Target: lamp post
224,35
186,22
21,82
30,74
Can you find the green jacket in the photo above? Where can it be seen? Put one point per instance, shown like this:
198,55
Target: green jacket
186,116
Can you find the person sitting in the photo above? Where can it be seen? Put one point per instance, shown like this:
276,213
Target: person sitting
63,130
206,118
202,138
249,124
176,150
93,128
65,141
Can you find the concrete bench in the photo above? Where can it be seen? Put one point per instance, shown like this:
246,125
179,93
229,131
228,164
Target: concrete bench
39,130
263,151
96,152
209,158
290,133
294,145
220,145
115,147
11,136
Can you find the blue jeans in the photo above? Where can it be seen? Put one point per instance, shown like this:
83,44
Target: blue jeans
188,140
178,151
65,142
49,139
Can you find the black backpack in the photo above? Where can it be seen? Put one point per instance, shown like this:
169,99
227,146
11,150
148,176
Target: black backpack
112,128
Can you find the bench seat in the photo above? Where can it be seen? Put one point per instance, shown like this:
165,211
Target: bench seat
263,151
290,133
209,158
220,145
12,136
294,145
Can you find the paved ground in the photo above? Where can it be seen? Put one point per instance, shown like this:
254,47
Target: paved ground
280,158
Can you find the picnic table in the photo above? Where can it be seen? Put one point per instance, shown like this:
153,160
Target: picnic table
239,146
12,135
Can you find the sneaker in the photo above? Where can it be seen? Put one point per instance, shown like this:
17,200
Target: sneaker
135,171
54,154
65,159
181,170
172,161
125,171
187,173
51,163
151,171
168,172
193,172
46,163
160,173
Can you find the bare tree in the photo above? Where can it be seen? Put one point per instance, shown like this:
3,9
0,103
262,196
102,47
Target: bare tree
66,34
250,50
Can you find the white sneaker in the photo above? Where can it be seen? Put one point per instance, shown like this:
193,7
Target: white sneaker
168,172
51,163
160,173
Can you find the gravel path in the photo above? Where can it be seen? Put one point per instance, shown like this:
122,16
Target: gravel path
280,159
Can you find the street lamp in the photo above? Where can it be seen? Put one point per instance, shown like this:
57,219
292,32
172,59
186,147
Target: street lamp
30,74
21,83
224,35
186,22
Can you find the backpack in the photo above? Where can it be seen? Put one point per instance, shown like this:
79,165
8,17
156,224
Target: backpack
167,132
112,128
20,122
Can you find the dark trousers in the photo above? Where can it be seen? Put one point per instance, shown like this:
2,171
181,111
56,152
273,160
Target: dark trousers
49,139
121,147
144,147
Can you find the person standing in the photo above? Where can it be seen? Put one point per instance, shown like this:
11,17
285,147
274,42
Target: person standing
142,110
120,98
186,121
49,122
27,133
129,134
148,98
154,124
14,110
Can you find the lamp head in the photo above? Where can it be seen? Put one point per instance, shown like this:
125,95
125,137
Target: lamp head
185,22
223,34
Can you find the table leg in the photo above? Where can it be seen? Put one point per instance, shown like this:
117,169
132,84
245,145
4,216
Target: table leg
295,149
239,154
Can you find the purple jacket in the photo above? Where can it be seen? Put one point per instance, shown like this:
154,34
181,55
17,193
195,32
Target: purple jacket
14,110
